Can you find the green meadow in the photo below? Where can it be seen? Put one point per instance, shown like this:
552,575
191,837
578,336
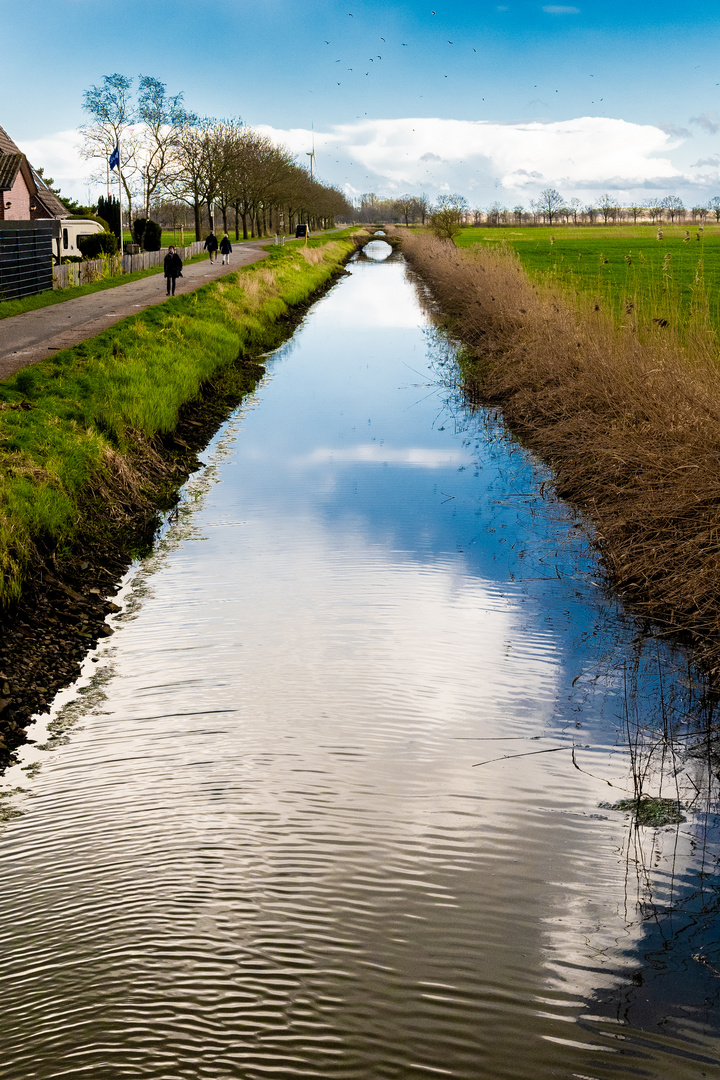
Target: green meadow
626,269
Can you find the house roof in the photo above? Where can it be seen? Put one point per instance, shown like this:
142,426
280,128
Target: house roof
9,165
11,160
48,198
7,146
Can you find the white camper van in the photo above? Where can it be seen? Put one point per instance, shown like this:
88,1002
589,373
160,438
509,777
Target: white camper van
70,232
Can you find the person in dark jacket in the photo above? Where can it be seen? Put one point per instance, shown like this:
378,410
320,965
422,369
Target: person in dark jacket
172,268
211,246
225,248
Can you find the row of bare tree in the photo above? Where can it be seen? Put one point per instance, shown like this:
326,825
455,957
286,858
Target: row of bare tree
166,152
549,207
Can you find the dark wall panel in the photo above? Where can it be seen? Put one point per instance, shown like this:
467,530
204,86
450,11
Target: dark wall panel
25,262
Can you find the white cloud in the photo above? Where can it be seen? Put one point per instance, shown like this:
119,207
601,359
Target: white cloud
483,160
487,160
59,156
418,457
558,9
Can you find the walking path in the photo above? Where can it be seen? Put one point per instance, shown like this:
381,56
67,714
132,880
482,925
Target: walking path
35,335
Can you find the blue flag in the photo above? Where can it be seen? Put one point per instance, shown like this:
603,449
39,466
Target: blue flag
115,157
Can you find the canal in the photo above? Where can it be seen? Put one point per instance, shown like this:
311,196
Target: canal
335,799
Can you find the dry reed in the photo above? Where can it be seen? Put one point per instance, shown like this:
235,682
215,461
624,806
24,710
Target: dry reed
628,418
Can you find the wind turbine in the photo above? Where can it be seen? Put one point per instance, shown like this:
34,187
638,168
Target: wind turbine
311,153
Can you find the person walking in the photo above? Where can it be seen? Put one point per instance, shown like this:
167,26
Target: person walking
172,268
225,248
211,245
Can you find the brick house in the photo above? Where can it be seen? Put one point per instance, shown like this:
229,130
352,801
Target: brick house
23,195
30,223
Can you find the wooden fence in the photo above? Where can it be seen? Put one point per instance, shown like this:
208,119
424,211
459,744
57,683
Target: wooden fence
71,274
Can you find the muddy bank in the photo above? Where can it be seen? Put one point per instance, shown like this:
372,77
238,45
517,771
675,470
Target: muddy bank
630,426
68,589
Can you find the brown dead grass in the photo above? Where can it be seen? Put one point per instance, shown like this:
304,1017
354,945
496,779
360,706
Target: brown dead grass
630,427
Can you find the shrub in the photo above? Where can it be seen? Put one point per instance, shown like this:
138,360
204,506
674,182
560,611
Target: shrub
109,209
446,222
147,234
97,244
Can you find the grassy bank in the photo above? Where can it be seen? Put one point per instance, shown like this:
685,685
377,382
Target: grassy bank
630,423
88,424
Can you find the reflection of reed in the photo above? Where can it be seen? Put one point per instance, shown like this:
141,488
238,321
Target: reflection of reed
668,717
673,770
653,955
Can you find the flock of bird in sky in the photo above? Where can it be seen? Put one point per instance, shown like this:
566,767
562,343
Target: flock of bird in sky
378,56
372,60
405,45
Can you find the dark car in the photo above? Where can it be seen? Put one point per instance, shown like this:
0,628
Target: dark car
302,230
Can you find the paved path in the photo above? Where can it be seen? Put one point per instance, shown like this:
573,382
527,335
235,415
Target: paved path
25,339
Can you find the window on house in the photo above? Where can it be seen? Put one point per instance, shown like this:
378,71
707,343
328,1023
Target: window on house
66,242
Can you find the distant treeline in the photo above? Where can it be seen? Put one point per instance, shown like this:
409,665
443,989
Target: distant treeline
548,208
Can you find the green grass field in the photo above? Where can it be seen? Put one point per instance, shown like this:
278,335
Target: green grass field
673,279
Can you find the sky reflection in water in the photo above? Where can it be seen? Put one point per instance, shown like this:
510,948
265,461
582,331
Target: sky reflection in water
266,847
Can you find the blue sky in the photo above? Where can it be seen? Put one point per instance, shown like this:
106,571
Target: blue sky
599,77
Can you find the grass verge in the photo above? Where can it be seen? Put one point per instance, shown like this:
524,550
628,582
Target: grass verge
8,308
629,423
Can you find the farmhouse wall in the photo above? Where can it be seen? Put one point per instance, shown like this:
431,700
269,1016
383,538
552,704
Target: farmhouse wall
16,202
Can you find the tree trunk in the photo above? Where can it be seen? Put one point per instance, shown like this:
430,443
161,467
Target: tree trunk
237,221
196,215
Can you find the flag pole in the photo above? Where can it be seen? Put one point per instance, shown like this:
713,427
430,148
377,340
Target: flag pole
120,199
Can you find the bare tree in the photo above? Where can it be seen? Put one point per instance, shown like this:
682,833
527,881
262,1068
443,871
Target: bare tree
162,117
113,114
195,179
674,207
423,207
608,207
550,204
496,213
654,209
407,207
714,206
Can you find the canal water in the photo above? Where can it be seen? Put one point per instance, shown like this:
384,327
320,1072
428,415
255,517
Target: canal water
329,803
